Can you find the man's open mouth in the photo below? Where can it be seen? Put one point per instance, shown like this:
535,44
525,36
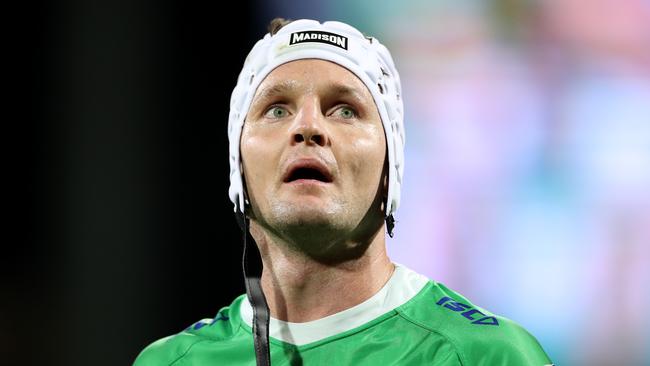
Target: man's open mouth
308,170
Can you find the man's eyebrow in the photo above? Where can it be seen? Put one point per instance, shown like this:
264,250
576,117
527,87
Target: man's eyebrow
289,87
284,87
346,90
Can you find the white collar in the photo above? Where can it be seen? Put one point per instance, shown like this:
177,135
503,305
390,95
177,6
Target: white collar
400,288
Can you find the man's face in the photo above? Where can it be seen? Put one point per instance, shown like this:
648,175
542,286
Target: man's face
313,151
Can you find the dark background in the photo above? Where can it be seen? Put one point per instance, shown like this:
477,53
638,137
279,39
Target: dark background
131,235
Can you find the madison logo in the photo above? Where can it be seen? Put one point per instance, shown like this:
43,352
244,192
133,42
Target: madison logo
319,36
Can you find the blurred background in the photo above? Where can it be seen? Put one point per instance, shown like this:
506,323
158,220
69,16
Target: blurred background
526,182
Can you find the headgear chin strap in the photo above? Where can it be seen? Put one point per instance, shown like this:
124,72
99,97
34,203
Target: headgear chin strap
344,45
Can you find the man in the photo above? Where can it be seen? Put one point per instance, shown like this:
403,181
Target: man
316,154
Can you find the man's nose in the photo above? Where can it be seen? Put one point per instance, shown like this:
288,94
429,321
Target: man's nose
309,125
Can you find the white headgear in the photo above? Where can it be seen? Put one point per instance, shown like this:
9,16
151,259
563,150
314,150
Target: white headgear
342,44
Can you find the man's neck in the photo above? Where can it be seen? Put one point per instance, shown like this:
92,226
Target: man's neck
300,289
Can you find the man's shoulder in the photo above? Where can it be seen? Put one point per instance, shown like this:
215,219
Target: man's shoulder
166,351
477,334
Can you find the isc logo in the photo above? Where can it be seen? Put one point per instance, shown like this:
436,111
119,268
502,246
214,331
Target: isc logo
467,311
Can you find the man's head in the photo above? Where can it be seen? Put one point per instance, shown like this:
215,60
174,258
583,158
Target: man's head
315,128
313,152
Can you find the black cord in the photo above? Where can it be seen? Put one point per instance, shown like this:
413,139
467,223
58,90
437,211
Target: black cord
252,266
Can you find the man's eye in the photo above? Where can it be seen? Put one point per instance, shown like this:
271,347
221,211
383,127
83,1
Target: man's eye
276,112
346,112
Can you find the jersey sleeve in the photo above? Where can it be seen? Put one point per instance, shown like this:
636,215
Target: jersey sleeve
155,354
478,336
445,355
169,350
165,351
515,346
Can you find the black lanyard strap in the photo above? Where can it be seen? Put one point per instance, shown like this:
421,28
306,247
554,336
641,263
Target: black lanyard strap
252,266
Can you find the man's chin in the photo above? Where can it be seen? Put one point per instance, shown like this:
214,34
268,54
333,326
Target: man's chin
311,214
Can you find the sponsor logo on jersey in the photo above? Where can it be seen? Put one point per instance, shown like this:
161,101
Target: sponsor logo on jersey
475,315
202,323
319,36
198,325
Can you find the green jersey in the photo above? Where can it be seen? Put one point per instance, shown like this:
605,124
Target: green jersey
410,321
